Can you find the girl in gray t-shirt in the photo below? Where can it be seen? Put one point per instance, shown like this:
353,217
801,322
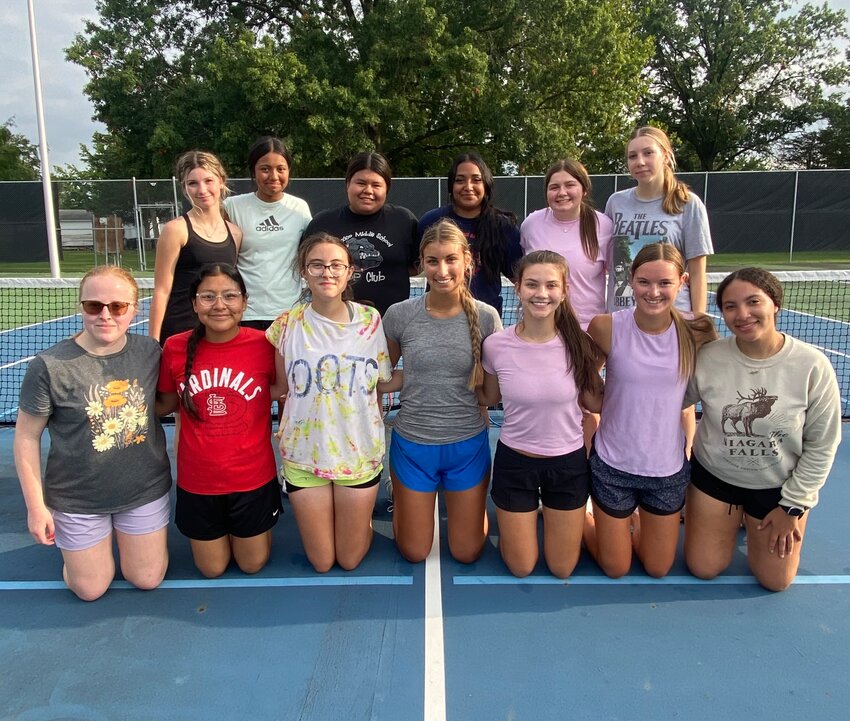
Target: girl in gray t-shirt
107,469
440,436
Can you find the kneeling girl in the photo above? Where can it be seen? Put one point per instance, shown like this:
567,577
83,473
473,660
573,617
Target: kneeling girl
331,357
228,497
544,370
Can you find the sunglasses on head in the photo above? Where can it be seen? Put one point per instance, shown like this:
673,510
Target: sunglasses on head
95,307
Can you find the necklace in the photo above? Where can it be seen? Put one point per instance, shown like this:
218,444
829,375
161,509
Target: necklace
205,230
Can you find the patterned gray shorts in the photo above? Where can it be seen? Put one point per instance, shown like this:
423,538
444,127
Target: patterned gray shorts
619,493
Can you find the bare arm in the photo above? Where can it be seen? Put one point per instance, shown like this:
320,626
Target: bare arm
489,393
280,387
27,450
236,232
600,330
394,384
174,236
395,351
165,404
698,284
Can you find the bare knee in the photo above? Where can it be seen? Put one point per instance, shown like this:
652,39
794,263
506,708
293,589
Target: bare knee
467,552
519,569
614,568
253,565
774,581
414,553
657,569
322,564
561,569
87,589
210,569
349,561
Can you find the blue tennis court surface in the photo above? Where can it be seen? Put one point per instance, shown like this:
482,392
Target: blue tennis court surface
396,642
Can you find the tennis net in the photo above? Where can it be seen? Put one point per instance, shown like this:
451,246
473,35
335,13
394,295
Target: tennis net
36,313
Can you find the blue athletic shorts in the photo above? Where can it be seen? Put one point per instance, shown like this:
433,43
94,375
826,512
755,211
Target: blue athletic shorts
450,466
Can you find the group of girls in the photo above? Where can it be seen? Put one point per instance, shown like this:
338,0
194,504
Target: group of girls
327,358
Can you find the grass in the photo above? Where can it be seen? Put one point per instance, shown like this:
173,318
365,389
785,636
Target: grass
75,263
25,306
809,260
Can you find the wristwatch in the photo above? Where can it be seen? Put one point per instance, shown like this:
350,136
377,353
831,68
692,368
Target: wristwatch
794,511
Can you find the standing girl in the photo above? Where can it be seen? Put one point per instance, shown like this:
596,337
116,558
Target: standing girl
439,436
203,235
770,427
331,357
228,497
380,236
571,227
492,233
107,469
661,209
639,455
272,222
544,369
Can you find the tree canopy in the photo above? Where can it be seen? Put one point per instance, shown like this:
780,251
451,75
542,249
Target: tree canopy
522,81
731,78
18,156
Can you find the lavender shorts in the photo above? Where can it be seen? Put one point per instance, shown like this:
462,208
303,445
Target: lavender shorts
79,531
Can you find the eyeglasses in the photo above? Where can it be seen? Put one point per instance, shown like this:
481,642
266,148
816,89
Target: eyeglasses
316,269
230,297
95,307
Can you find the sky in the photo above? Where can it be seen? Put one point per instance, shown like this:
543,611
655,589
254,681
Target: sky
67,111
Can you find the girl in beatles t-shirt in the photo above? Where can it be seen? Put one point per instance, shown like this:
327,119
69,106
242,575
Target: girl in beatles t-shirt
221,375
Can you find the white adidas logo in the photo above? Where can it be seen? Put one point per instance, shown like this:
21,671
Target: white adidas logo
269,225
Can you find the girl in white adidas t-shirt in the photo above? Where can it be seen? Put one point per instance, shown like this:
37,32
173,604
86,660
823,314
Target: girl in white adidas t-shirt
272,222
332,356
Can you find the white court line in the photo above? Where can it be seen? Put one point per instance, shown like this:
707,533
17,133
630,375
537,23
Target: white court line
17,362
435,666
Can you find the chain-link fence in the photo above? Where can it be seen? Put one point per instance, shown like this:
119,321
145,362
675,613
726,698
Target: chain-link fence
119,221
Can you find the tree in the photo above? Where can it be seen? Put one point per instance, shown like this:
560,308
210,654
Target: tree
419,80
18,156
732,77
825,147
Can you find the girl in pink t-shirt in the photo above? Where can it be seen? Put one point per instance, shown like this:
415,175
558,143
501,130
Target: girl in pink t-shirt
571,227
639,451
544,369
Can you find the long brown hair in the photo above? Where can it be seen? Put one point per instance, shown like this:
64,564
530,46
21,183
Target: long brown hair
445,232
676,193
691,333
580,349
588,222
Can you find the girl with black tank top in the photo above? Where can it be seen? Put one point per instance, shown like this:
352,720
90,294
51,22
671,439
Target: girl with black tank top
203,235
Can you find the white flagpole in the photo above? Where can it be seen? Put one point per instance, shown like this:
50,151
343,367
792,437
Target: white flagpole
52,245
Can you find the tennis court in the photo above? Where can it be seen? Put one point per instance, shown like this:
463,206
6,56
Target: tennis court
439,640
399,642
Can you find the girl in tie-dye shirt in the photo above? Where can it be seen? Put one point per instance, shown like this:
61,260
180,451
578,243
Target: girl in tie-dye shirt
333,356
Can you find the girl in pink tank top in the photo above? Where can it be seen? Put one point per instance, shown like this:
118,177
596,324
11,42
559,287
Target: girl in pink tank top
639,455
